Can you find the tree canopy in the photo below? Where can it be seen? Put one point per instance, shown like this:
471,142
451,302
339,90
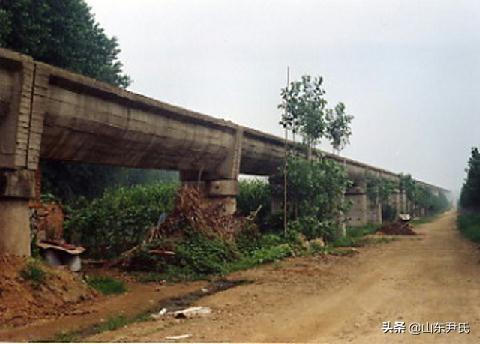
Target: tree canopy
306,113
470,194
62,33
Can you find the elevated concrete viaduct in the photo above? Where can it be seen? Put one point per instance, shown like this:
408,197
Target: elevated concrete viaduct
49,113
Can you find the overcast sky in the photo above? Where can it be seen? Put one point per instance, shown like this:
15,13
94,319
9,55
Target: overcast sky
407,70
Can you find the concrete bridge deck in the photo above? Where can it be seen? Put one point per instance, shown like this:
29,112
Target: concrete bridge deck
50,113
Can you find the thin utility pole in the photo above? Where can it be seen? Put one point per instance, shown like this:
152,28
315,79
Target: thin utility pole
285,167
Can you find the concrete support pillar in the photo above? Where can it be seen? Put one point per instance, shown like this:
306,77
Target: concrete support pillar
403,202
219,183
422,212
14,227
395,202
222,192
409,207
276,197
374,212
22,93
16,188
357,215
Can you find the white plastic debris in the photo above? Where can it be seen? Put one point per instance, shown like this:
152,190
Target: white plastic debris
160,314
192,312
182,336
204,290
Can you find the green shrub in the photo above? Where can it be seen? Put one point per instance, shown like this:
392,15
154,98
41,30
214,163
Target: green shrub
312,228
252,194
355,236
106,285
66,337
113,323
315,191
357,232
270,240
261,256
204,256
345,241
270,254
118,220
469,225
316,248
248,240
34,273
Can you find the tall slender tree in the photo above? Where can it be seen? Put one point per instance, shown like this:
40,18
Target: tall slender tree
339,129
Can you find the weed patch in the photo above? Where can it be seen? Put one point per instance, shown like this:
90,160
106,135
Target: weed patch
355,236
34,273
66,337
113,323
106,285
422,220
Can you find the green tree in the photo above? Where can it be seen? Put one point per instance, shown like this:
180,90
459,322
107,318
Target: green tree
314,189
304,107
64,33
470,194
315,192
339,130
306,112
407,184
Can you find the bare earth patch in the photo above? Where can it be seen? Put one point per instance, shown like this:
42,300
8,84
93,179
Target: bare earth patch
30,291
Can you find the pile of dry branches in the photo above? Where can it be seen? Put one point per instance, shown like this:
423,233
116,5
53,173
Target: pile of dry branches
194,211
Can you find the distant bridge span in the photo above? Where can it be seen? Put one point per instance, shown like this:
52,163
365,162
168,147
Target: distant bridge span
50,113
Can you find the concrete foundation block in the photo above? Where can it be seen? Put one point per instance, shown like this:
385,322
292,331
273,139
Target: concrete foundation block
222,188
14,227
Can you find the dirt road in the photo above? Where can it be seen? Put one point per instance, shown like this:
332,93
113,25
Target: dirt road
433,277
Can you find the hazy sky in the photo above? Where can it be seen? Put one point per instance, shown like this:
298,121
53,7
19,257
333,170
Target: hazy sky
407,70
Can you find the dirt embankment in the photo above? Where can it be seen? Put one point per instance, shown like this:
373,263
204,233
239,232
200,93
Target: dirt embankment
40,292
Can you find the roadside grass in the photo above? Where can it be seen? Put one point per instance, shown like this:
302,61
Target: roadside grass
379,240
270,248
34,273
106,285
356,236
172,274
246,260
422,220
469,225
112,323
64,337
